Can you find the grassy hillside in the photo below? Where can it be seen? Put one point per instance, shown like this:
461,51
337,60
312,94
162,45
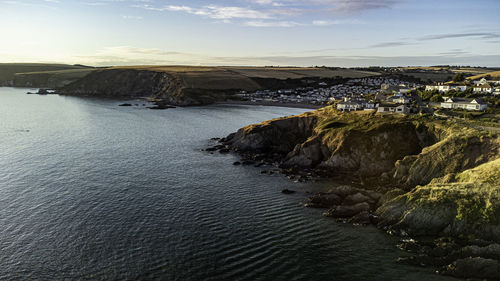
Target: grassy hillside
10,72
50,79
494,74
441,73
225,78
194,85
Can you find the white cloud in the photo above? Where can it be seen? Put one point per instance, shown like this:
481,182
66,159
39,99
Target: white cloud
271,23
214,11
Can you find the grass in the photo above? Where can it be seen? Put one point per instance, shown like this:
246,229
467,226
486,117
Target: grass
11,71
494,74
229,77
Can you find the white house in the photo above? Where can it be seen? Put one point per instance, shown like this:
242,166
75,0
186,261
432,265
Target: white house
349,106
483,88
401,99
467,104
393,108
445,87
483,81
432,87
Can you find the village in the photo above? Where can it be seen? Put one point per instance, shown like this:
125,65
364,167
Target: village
387,95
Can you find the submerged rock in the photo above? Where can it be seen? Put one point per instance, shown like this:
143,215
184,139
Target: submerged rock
474,267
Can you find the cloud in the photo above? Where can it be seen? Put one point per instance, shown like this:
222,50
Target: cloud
335,22
271,23
351,6
390,44
282,12
482,35
214,11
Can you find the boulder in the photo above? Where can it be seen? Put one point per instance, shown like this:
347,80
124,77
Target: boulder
474,267
348,211
356,198
324,200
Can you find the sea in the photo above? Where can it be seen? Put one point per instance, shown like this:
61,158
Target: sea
90,190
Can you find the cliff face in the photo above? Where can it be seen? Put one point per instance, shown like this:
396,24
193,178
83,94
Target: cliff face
363,144
123,83
466,203
448,172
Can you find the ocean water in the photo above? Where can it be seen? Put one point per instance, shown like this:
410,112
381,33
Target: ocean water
93,191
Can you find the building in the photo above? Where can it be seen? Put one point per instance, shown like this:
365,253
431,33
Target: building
393,108
349,106
487,81
401,99
445,87
467,104
483,88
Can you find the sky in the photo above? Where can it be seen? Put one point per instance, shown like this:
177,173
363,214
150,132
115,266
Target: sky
345,33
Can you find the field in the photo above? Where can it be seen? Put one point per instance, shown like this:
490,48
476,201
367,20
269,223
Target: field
39,75
227,77
441,73
495,74
51,79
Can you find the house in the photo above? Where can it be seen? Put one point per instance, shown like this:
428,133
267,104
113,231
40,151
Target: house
445,87
467,104
431,87
483,88
487,81
401,99
458,86
349,106
393,108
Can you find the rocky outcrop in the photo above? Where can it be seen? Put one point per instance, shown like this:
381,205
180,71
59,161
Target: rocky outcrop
362,145
275,136
467,203
440,179
122,83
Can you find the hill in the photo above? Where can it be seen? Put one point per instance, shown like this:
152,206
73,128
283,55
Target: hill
193,85
39,74
494,74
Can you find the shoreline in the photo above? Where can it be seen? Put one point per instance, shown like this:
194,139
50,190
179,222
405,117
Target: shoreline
291,105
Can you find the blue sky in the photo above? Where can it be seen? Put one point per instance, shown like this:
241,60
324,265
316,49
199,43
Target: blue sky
251,32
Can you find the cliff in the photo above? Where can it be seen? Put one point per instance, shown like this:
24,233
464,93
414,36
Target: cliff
416,154
129,83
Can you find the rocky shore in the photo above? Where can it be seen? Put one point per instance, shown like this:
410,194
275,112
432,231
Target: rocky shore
436,184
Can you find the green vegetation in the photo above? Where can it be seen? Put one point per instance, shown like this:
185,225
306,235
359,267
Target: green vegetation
40,75
459,77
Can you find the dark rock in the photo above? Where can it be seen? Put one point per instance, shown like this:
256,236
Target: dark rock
356,198
215,139
236,163
125,104
361,218
248,162
474,267
344,190
211,149
288,191
224,150
324,200
263,172
161,106
348,211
